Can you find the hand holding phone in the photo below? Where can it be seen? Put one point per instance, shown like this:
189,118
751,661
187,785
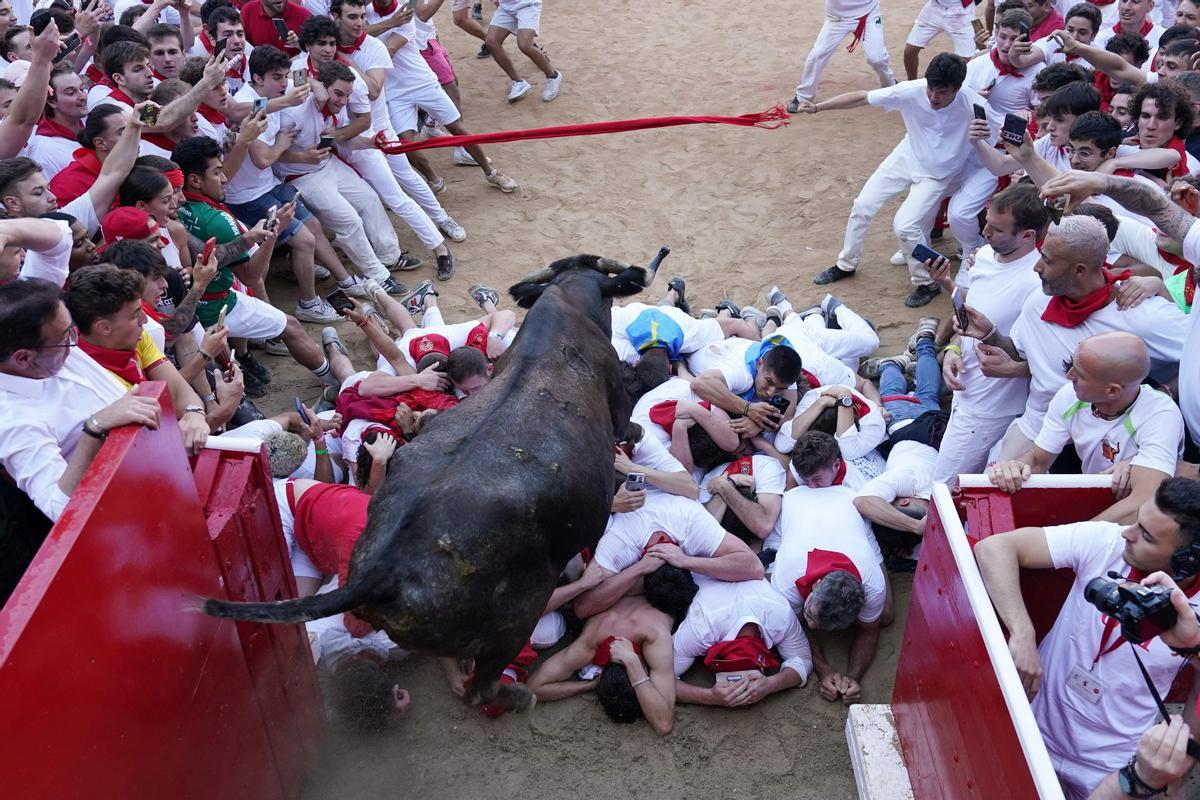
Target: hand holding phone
960,311
272,218
635,482
779,403
281,28
299,77
69,45
1014,128
980,111
926,254
325,143
219,47
340,302
300,410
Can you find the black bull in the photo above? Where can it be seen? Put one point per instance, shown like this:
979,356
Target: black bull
479,515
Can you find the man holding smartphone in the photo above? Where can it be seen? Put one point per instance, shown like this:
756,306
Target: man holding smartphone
274,22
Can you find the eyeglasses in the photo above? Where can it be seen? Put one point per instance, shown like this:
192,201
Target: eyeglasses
72,339
1082,152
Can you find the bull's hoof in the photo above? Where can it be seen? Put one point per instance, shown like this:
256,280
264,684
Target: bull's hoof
515,697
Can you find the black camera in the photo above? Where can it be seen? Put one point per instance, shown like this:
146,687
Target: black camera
1143,611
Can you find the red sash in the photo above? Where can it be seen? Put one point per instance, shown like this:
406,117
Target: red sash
859,30
1073,313
122,363
820,564
741,653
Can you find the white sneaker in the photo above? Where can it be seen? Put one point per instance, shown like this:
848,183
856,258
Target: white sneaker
898,259
463,158
355,288
320,273
552,84
453,231
518,90
318,312
432,131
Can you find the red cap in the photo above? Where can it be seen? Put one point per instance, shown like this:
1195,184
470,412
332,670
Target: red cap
127,222
428,343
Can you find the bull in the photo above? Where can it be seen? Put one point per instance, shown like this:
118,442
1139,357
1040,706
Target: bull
466,538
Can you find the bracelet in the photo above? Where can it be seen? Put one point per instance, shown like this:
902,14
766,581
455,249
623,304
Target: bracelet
321,451
94,433
362,324
636,684
990,333
211,397
193,410
746,410
953,348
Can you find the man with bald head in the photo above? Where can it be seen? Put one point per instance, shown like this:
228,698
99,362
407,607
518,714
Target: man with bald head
1116,422
1078,300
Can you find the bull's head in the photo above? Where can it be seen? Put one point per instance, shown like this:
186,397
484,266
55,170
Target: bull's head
615,278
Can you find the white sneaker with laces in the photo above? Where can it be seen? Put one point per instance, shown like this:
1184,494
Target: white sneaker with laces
518,90
318,312
464,159
355,288
552,84
898,259
452,230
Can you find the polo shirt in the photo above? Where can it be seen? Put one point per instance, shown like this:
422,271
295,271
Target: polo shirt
260,29
204,222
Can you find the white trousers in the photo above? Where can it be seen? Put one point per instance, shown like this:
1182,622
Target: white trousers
911,222
852,342
963,213
374,168
833,31
350,209
968,438
416,187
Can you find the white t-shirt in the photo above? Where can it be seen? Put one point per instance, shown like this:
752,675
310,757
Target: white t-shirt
841,530
51,265
1159,323
768,474
721,608
372,54
997,290
250,182
729,357
1087,740
309,123
1189,379
937,140
673,389
909,473
651,454
1139,241
854,442
52,153
824,367
685,521
456,334
1109,29
697,333
260,429
1150,431
1010,94
1053,154
409,70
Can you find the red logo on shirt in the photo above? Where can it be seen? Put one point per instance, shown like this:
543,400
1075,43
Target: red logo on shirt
1110,450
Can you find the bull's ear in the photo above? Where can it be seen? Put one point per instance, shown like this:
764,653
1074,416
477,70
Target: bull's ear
626,282
526,293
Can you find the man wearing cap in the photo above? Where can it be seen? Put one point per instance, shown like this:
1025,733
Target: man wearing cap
128,222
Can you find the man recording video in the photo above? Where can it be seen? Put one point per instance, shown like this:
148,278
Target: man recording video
1088,695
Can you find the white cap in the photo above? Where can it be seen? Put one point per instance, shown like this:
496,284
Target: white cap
15,73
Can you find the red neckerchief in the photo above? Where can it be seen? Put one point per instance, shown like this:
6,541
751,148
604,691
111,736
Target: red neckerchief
841,473
206,42
663,414
813,383
1073,313
97,77
122,363
741,466
603,655
312,71
157,74
1181,168
48,127
160,140
820,564
152,312
350,48
741,653
199,198
658,537
1104,84
211,114
386,12
859,30
1102,2
121,97
1147,26
1005,69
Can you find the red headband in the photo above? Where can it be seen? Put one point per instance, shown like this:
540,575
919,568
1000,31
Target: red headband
175,176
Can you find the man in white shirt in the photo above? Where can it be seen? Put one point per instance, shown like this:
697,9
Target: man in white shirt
861,18
34,248
928,163
739,376
735,627
1112,419
1089,697
56,137
896,501
521,18
745,496
57,405
646,455
1132,17
952,17
1082,22
1078,300
1002,277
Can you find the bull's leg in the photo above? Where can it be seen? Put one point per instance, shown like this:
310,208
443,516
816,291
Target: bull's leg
487,688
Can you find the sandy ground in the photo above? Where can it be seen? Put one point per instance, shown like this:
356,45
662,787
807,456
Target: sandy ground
742,209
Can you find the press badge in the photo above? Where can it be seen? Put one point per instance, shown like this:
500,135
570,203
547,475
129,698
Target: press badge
1085,684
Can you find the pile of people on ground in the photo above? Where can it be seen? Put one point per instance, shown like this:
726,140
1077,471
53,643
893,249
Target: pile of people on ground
777,472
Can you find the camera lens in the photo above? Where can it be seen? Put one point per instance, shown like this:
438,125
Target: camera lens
1103,594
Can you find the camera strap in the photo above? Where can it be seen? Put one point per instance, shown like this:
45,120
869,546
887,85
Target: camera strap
1193,748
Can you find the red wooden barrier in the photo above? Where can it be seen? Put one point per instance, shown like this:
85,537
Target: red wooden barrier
111,686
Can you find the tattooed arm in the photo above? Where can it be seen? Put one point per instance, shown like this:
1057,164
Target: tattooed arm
1140,198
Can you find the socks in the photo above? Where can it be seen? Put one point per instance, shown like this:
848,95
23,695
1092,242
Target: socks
325,374
784,306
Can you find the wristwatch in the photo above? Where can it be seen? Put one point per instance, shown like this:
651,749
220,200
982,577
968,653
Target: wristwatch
92,428
1132,784
846,400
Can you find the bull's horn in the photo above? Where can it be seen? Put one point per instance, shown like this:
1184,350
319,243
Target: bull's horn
652,268
611,266
542,275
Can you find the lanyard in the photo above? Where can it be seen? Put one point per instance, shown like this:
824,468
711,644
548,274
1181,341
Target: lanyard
1111,625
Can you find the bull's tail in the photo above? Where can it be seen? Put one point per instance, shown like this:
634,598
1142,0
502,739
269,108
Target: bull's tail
303,610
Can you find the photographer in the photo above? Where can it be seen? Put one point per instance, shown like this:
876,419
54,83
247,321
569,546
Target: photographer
1088,695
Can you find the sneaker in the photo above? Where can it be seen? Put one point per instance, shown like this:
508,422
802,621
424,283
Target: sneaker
373,313
276,347
320,273
477,12
832,275
679,286
552,84
897,259
926,327
355,287
445,266
752,314
483,52
328,401
793,106
501,181
871,368
250,366
774,314
405,263
808,312
776,297
438,186
730,306
432,130
921,295
829,307
319,311
253,386
484,294
371,287
330,338
393,287
415,302
518,90
707,313
937,233
452,230
464,159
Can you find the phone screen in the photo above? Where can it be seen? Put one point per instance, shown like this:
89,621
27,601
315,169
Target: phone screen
281,28
220,46
340,302
325,143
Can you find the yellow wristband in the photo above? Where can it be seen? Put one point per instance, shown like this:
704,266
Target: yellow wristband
954,348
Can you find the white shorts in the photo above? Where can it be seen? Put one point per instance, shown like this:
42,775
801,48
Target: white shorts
432,99
526,18
955,23
460,5
251,318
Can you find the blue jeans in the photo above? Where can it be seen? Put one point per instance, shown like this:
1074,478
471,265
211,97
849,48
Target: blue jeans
892,381
250,213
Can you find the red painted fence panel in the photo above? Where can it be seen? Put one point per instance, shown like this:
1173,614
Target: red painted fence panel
111,685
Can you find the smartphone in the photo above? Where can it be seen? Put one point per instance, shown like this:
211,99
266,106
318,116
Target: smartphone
219,47
1055,208
209,246
960,311
299,77
300,410
340,302
69,45
1014,129
272,218
222,357
922,253
1023,27
325,143
281,28
779,403
149,116
977,24
260,104
635,482
980,111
